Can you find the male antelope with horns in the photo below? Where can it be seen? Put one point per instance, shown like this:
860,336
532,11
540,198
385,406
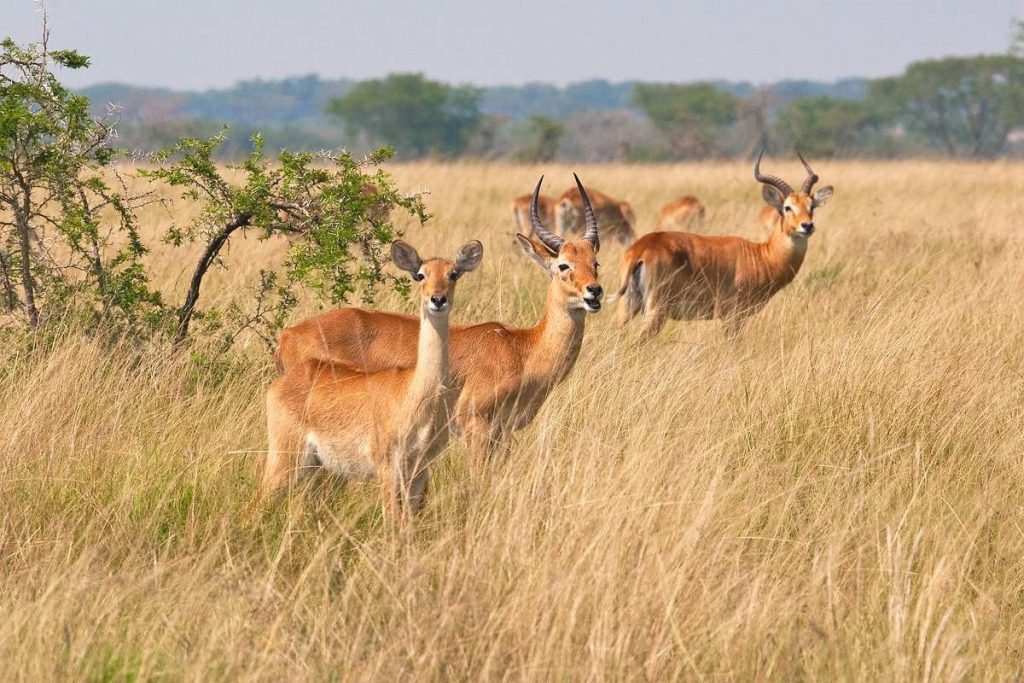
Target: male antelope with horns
388,423
501,375
684,276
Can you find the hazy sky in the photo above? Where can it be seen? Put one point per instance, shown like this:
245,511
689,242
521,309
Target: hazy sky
214,43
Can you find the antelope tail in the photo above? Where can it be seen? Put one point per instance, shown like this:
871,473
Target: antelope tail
278,360
632,286
629,270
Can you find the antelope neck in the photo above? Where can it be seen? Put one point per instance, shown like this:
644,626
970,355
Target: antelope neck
431,352
557,338
782,255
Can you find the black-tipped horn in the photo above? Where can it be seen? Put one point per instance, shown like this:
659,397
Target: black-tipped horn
550,240
769,179
590,234
812,177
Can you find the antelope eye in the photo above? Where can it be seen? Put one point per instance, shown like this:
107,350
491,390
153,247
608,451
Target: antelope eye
789,208
563,267
419,277
596,266
454,275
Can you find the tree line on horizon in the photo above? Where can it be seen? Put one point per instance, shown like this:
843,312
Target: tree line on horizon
72,251
955,107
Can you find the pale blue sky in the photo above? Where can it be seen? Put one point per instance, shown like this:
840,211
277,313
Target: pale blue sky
214,43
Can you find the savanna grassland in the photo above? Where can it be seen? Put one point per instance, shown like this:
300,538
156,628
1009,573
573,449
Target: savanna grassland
836,494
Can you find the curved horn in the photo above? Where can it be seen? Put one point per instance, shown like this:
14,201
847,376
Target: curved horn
550,240
769,179
588,213
812,177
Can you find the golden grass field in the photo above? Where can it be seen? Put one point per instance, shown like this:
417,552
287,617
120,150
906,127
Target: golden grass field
838,494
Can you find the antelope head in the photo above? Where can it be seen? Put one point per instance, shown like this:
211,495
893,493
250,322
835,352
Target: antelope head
572,264
436,276
795,208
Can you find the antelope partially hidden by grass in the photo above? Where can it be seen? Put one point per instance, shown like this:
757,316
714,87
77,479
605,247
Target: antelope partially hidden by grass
615,216
502,375
684,276
385,423
682,212
521,211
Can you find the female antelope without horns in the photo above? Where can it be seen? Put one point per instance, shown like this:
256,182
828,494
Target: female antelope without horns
684,276
681,212
387,423
502,375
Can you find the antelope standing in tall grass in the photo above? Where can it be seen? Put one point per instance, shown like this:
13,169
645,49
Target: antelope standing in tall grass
615,216
681,212
684,276
521,211
384,423
502,375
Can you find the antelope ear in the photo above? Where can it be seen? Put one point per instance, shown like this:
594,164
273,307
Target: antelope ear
773,197
469,257
405,257
538,253
821,197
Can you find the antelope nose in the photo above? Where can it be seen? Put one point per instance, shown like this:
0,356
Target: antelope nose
595,291
808,227
438,300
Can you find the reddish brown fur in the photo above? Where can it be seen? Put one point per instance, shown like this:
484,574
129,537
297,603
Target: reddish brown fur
501,375
684,276
614,216
521,212
378,212
386,423
680,213
767,218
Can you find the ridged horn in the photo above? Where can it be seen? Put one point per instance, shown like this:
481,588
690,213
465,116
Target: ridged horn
550,240
588,213
812,177
769,179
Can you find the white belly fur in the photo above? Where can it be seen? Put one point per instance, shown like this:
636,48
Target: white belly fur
352,461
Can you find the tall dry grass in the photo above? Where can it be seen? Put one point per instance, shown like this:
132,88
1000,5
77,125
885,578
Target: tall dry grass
835,495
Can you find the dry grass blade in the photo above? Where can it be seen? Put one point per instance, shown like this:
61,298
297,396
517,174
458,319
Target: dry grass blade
834,495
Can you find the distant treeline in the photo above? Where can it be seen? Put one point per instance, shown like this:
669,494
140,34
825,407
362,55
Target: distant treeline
957,107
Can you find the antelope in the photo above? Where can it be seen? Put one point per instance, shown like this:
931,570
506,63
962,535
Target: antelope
521,211
614,216
680,213
502,375
385,423
379,211
684,276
